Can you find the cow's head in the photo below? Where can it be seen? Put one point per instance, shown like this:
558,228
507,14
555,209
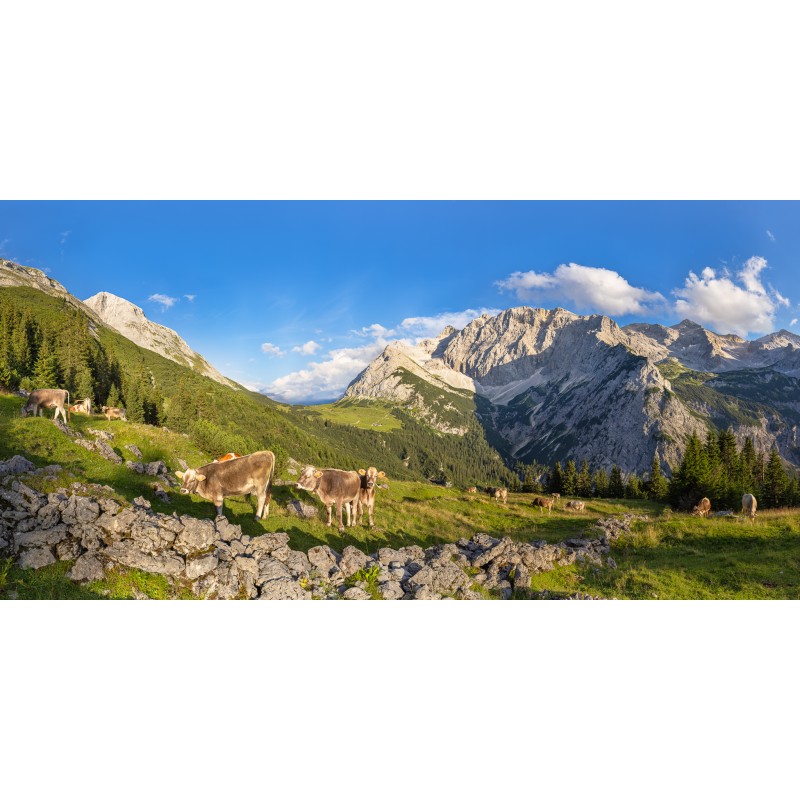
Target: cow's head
371,476
189,480
309,478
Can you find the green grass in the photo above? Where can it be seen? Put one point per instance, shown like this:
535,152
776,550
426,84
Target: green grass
364,414
674,556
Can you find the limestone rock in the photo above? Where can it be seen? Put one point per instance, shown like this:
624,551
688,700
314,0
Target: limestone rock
87,568
36,558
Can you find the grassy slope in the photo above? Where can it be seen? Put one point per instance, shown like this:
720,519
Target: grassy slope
672,556
363,414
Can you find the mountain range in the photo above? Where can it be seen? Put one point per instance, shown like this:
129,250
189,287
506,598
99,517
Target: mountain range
541,385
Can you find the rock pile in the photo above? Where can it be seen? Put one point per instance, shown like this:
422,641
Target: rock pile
216,560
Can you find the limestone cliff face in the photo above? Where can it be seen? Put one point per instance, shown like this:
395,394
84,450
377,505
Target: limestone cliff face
556,385
129,320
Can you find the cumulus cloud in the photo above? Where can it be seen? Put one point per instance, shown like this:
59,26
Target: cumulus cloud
165,301
426,327
327,379
742,305
585,288
307,349
272,350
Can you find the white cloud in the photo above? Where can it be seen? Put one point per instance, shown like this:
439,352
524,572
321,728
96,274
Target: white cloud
165,301
586,288
64,236
272,350
325,379
190,297
426,327
771,236
728,307
793,323
376,329
307,349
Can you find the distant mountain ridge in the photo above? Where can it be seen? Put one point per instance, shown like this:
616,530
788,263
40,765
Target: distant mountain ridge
550,385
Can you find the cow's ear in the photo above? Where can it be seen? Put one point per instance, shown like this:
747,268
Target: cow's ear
318,473
201,478
362,472
381,474
179,476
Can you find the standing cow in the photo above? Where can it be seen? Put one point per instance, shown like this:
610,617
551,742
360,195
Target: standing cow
333,486
110,412
369,477
40,399
702,509
84,407
749,505
543,503
246,475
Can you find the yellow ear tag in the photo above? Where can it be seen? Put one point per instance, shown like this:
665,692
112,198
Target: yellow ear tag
362,472
318,474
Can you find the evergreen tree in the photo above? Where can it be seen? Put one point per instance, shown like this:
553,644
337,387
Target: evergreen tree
556,478
775,481
113,399
616,487
633,488
569,480
83,383
584,481
601,482
657,486
45,371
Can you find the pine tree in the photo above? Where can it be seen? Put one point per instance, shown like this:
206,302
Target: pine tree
113,400
45,371
775,480
616,488
555,482
633,488
584,481
601,482
657,486
569,480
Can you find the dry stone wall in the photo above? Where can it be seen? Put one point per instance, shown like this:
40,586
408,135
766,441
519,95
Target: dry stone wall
86,525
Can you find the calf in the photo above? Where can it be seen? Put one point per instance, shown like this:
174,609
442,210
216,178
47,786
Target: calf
84,407
369,477
702,509
40,399
220,479
543,503
472,490
749,505
109,412
333,486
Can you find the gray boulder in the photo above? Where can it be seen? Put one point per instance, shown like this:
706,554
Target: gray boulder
129,555
197,536
202,565
302,510
135,450
355,593
283,589
36,559
86,568
352,561
391,590
16,465
41,537
323,559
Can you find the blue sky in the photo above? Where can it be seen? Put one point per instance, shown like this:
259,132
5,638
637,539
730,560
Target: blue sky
296,297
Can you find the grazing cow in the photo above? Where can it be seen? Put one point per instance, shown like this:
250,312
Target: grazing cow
702,509
498,493
556,497
369,477
84,407
226,457
109,412
749,505
334,486
543,503
246,475
575,505
472,490
40,399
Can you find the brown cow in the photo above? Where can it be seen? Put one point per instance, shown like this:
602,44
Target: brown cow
702,509
40,399
226,457
246,475
369,477
543,503
333,486
84,407
109,412
749,505
501,493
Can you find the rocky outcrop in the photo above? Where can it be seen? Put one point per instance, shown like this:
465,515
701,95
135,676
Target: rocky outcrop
217,560
214,559
129,320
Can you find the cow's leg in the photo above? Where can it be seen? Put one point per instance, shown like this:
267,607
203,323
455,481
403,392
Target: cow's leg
261,499
219,508
330,517
369,513
339,516
348,508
